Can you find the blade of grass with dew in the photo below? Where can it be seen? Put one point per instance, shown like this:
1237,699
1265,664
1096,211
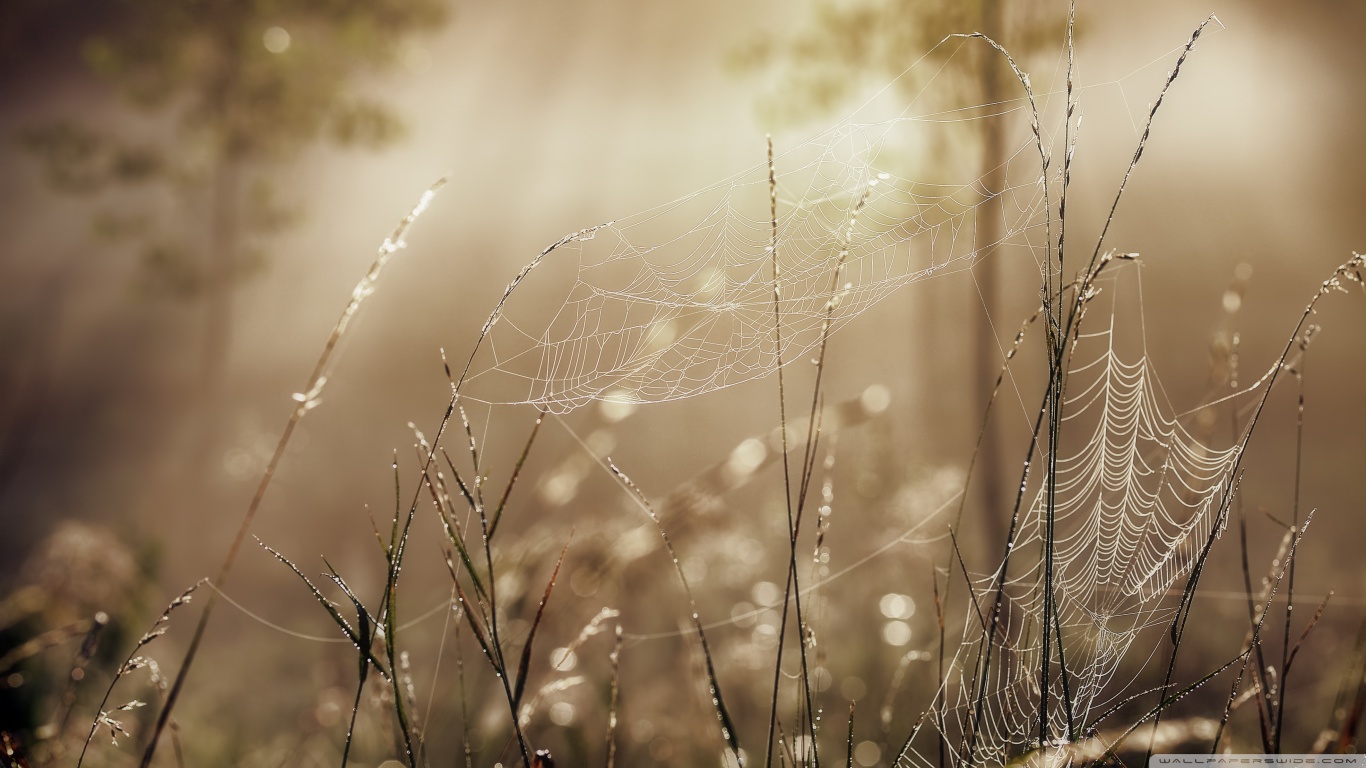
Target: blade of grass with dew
524,664
849,738
134,662
310,399
1254,639
1052,305
1162,706
356,639
782,427
365,623
361,638
972,593
479,635
454,537
728,731
495,645
1308,628
939,666
1234,701
459,481
1298,371
986,647
613,699
398,546
1254,621
464,697
365,630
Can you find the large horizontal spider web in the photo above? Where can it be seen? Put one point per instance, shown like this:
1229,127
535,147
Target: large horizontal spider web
678,301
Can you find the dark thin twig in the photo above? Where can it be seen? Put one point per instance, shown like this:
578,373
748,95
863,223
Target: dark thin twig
1298,370
849,739
939,669
782,428
1254,621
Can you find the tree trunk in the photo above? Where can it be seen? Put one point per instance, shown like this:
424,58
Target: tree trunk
990,227
219,275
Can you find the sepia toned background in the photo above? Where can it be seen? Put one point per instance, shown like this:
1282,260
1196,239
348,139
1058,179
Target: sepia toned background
132,436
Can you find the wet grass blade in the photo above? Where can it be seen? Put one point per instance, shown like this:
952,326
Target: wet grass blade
972,594
1313,621
322,599
454,537
478,631
849,738
304,403
459,481
131,661
464,699
366,623
516,473
474,460
613,701
398,545
718,701
1162,707
524,665
939,666
1255,621
362,638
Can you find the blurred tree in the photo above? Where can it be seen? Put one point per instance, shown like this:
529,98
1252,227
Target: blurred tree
233,90
845,45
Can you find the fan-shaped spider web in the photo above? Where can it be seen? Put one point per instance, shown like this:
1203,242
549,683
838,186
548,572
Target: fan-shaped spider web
1138,496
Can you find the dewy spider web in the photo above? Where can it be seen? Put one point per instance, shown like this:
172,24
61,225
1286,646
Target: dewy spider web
677,301
1137,498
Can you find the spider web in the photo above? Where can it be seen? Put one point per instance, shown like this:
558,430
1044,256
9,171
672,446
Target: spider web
1138,496
678,301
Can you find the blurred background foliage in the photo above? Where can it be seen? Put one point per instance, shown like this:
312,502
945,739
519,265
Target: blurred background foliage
841,48
229,93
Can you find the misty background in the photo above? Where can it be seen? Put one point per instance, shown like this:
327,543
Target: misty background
550,117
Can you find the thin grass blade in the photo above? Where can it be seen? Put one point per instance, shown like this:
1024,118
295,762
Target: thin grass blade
524,665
